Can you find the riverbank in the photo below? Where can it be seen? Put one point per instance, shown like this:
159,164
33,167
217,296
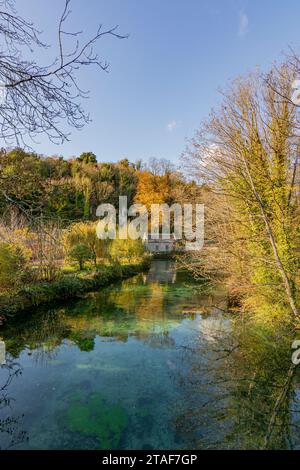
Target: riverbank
67,287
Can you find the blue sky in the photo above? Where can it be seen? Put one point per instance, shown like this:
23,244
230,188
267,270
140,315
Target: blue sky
164,79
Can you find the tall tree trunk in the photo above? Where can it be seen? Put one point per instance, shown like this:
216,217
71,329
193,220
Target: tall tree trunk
284,276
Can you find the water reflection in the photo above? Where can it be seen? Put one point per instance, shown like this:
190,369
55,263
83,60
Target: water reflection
131,309
152,363
246,390
161,271
11,426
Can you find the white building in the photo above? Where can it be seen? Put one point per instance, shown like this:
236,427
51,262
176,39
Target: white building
164,244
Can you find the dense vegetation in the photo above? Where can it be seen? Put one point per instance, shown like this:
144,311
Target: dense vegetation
71,286
248,155
70,190
48,219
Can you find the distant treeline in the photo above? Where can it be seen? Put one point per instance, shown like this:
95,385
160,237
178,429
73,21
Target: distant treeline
71,189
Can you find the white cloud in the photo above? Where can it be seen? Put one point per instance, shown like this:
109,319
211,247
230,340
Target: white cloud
172,125
243,24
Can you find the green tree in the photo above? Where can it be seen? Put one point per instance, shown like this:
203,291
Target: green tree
13,263
127,250
88,158
84,233
252,211
21,183
80,253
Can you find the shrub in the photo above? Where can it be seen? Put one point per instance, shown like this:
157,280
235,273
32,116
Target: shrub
127,250
84,233
80,253
13,264
68,287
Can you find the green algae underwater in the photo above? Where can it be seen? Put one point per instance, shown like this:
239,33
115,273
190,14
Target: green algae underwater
97,418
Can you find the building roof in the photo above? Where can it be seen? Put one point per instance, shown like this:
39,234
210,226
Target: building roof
163,237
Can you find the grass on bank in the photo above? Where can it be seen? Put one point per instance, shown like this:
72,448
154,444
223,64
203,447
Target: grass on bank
71,284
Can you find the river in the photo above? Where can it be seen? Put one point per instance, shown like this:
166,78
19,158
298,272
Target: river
154,362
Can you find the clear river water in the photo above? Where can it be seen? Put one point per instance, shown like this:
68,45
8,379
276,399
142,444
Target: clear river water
154,362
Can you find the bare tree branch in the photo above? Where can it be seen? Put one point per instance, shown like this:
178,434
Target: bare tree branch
39,98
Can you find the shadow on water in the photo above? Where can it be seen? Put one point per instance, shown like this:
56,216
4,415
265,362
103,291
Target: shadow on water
151,363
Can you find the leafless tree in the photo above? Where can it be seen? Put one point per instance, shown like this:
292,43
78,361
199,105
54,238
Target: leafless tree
159,166
38,98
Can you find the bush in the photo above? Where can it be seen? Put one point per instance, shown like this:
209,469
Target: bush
127,250
84,233
80,253
13,265
67,287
